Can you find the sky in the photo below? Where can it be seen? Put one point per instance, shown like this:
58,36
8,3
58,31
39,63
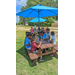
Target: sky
19,4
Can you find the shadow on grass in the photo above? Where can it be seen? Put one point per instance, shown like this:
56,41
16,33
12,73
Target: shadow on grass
24,53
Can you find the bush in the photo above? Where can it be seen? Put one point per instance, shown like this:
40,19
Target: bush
50,21
19,23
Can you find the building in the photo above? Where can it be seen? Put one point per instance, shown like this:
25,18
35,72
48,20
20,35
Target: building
55,24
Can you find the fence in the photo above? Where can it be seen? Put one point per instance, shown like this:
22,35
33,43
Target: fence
54,24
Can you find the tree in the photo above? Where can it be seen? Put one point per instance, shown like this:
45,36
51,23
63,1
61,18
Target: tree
19,23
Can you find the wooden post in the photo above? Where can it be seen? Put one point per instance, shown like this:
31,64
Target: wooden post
39,51
34,61
46,53
55,54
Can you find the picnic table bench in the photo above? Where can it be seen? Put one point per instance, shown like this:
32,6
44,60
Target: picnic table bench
44,45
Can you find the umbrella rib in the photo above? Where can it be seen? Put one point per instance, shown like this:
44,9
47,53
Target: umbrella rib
29,13
52,12
34,10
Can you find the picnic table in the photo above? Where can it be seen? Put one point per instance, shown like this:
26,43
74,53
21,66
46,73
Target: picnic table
44,45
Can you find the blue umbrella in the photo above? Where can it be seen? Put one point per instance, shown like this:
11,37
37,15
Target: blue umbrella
38,11
36,20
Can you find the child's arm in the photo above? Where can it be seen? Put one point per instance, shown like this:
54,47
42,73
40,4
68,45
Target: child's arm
39,45
51,41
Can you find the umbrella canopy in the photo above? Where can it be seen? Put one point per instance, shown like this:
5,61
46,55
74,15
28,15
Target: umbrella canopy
38,11
37,20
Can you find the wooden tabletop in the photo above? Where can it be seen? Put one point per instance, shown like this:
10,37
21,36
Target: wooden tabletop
48,45
45,44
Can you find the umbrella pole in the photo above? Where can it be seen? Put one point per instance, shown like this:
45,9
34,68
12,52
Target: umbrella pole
39,25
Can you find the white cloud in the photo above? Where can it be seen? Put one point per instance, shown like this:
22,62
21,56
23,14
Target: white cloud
21,2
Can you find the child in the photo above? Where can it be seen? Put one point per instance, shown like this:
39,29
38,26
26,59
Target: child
34,46
47,37
27,41
27,33
53,39
31,30
47,34
43,35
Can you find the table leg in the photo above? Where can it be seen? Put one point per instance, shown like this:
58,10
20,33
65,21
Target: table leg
45,50
34,61
39,51
55,54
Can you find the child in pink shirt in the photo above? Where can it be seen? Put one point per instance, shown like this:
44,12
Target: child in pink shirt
31,30
34,46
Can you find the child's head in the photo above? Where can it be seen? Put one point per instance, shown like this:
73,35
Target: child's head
29,35
47,30
42,33
42,28
34,39
52,33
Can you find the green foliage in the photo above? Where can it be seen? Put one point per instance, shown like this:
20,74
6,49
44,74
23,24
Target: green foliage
50,21
16,23
19,23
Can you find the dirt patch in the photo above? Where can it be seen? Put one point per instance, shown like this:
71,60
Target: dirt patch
56,37
18,28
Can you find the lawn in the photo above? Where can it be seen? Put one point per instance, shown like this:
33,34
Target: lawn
24,64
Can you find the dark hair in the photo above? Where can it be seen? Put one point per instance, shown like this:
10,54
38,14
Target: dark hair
48,29
52,33
42,32
42,28
29,34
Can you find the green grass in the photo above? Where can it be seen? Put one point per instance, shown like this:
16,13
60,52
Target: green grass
24,64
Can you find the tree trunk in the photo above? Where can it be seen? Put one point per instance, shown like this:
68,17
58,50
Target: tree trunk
24,22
